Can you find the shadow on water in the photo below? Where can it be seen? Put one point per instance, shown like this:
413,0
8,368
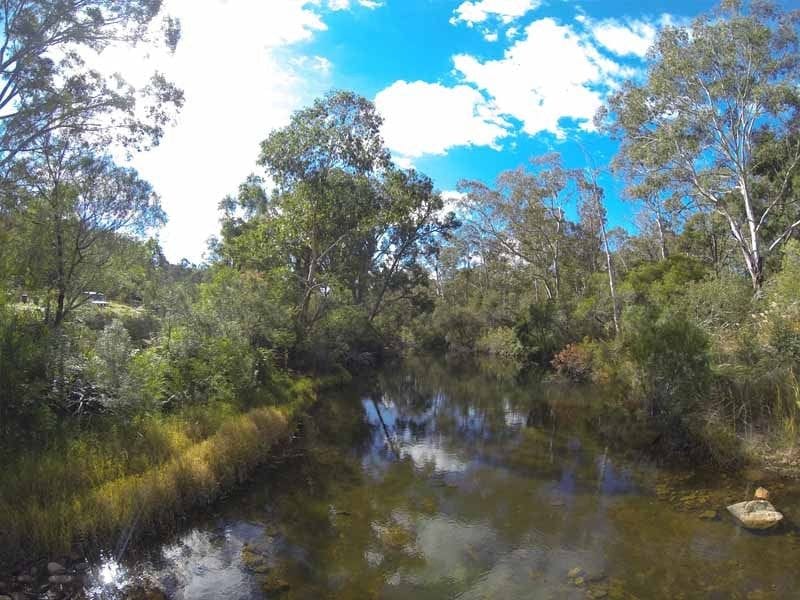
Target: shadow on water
430,480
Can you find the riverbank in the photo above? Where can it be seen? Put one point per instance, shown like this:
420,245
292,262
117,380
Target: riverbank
107,488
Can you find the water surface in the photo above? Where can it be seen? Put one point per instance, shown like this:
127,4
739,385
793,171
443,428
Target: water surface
428,481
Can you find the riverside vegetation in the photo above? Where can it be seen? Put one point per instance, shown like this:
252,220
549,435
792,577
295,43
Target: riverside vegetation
115,418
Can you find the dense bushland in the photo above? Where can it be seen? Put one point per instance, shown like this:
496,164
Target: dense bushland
123,408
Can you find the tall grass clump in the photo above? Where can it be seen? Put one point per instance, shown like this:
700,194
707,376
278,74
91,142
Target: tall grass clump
114,487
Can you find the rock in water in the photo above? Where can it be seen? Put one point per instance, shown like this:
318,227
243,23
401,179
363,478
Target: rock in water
755,514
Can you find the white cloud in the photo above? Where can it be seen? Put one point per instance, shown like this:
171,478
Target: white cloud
633,37
479,11
453,202
430,118
490,36
345,4
550,74
318,64
241,79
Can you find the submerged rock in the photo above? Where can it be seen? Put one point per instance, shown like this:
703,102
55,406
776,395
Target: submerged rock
755,514
275,585
709,515
140,592
54,568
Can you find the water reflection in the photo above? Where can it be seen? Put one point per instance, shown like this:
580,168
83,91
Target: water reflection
428,482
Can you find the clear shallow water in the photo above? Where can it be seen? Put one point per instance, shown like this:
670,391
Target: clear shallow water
430,482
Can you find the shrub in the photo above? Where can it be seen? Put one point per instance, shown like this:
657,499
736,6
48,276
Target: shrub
671,357
111,356
500,341
574,362
541,332
23,363
459,325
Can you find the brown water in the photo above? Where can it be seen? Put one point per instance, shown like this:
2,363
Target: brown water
436,482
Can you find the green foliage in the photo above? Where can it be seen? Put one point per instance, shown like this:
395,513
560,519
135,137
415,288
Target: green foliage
23,364
541,332
459,326
345,337
64,95
716,303
783,312
714,92
671,355
784,290
110,359
661,283
501,342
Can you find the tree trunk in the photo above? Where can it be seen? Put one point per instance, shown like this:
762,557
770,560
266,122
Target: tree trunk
661,242
60,282
611,283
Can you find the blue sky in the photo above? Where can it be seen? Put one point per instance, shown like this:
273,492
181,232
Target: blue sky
467,88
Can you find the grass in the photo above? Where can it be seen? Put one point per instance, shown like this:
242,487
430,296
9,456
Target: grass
113,486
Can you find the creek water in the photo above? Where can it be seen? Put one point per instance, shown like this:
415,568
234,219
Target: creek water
432,481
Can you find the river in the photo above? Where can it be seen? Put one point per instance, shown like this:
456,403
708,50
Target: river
432,481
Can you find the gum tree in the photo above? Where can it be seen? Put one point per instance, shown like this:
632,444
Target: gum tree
712,93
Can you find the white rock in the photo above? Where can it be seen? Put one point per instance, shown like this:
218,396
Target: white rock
755,514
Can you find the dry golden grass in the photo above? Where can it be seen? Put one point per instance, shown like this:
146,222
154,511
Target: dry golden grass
91,498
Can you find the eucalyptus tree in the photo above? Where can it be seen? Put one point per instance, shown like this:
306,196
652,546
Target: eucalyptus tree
325,164
77,201
412,229
46,85
711,92
594,220
526,216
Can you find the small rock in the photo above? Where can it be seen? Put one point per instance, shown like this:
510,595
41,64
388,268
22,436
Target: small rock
54,568
60,579
24,579
709,515
579,581
81,566
5,597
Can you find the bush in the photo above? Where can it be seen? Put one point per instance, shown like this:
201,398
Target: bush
574,362
459,325
112,354
500,341
23,365
541,332
344,337
672,360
